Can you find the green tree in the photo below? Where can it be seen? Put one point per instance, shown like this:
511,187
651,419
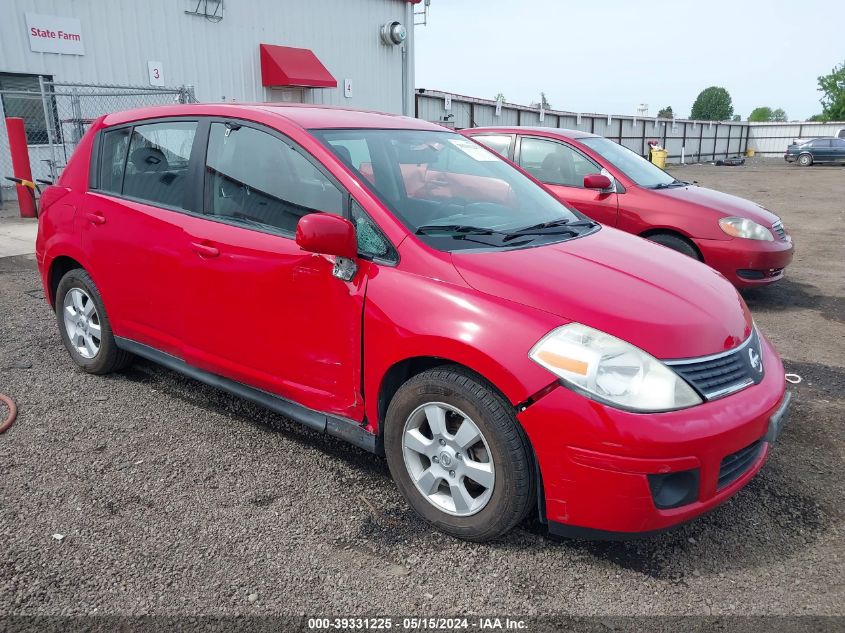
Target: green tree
543,102
737,117
712,104
763,113
833,88
817,117
498,96
666,113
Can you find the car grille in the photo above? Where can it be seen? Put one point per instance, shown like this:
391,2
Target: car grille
735,464
723,374
778,228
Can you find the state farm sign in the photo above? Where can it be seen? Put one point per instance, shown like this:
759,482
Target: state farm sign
54,34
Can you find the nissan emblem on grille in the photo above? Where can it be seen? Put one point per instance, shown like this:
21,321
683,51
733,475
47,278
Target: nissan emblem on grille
722,374
754,359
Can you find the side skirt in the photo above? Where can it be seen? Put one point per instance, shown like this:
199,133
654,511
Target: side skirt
343,428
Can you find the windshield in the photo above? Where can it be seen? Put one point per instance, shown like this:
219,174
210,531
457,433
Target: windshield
452,192
629,163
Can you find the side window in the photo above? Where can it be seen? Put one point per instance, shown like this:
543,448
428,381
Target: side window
822,142
256,177
371,241
555,163
157,163
113,159
499,144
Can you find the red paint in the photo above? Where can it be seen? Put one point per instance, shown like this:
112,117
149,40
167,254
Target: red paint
328,344
597,181
20,164
327,235
691,212
289,66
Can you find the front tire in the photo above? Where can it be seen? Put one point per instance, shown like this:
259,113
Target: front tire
458,455
676,243
805,160
84,325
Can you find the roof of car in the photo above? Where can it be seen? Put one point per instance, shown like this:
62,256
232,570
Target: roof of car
305,115
522,129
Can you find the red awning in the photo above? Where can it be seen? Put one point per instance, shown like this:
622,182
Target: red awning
288,66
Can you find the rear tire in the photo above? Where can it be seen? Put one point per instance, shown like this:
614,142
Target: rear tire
676,243
84,325
805,160
421,457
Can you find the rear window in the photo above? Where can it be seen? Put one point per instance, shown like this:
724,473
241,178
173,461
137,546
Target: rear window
113,159
157,163
148,162
499,143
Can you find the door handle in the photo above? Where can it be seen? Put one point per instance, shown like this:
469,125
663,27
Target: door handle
95,217
204,250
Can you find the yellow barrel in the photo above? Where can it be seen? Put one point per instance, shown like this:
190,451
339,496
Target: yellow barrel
658,157
749,152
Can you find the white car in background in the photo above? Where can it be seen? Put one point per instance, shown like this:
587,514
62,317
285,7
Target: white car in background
840,133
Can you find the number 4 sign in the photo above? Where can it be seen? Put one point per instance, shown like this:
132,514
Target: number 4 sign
156,73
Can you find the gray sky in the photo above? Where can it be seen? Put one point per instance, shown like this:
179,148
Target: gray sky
609,56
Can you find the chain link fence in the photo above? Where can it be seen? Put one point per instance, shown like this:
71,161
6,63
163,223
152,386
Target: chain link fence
58,115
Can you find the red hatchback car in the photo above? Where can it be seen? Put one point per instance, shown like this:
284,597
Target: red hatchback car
745,242
389,282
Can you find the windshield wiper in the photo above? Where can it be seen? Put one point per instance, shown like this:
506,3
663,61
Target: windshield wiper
555,227
554,223
461,229
669,185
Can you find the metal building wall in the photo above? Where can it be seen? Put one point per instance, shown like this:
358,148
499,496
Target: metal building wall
220,60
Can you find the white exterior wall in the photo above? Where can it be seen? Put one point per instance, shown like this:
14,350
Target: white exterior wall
221,60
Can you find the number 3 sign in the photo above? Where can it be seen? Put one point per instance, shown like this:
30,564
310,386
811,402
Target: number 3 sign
156,73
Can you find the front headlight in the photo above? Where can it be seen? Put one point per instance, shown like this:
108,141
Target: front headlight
743,227
611,370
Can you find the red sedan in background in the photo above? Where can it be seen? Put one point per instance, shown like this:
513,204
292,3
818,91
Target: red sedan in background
745,242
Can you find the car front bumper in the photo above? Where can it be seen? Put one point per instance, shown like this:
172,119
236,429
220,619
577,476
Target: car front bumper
599,464
748,263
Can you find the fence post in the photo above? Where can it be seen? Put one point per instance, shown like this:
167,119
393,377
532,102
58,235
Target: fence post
700,141
20,164
76,109
49,121
186,94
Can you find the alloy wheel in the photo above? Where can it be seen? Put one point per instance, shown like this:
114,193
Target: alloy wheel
82,323
448,459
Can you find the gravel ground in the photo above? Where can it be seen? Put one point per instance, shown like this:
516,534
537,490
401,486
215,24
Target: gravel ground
173,498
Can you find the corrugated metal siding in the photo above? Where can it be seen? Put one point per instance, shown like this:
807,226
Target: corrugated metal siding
220,59
697,140
717,141
773,138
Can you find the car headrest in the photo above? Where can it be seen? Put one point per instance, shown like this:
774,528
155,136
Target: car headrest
146,159
344,153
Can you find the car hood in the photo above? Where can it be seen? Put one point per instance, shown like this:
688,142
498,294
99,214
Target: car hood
661,301
724,203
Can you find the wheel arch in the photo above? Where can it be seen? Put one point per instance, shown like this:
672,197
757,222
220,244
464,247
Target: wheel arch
402,371
59,267
674,233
